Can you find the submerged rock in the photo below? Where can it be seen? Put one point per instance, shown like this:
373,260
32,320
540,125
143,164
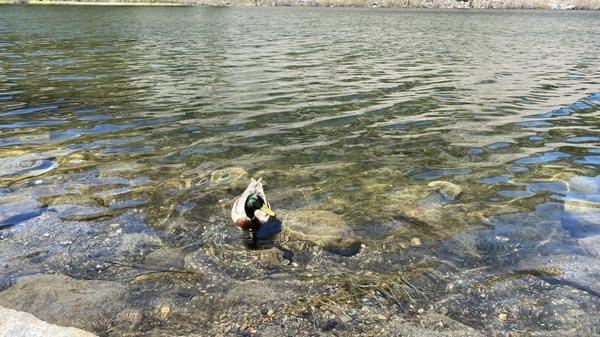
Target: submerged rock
271,257
448,190
130,317
256,293
323,228
59,299
228,175
137,243
21,324
579,272
591,244
431,212
581,219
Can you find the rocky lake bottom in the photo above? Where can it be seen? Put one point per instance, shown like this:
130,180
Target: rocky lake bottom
426,184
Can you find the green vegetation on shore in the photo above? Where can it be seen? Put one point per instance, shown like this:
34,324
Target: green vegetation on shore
476,4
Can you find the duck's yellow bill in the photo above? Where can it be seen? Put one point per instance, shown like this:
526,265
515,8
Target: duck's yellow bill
267,210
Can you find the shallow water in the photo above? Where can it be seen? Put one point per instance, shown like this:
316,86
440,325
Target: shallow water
154,119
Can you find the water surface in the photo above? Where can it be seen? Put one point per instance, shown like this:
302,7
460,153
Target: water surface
155,119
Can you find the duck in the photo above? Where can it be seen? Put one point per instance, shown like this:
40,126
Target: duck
251,210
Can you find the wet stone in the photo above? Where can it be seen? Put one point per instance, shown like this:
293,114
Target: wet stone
228,175
271,257
16,324
323,228
59,299
164,312
138,243
330,324
581,272
448,190
581,219
253,293
132,317
164,257
591,244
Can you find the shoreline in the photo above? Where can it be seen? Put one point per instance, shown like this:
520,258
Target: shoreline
94,3
438,4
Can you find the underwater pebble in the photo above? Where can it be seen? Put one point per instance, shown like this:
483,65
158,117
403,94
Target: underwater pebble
131,316
330,324
447,189
381,317
415,242
164,312
502,317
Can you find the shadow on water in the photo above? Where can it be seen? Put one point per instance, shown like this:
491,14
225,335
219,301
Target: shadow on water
265,237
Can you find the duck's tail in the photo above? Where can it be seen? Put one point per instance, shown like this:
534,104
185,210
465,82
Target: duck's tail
256,186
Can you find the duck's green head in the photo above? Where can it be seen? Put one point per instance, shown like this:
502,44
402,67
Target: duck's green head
255,202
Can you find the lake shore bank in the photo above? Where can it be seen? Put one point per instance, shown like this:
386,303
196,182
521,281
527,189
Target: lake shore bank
95,3
450,4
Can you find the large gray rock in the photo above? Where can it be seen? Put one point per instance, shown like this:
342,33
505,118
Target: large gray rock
21,324
62,300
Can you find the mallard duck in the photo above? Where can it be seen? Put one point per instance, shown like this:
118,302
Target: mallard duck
251,210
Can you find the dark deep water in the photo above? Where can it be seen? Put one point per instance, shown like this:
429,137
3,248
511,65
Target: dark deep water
437,168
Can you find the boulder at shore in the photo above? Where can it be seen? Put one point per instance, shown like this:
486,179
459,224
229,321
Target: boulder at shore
21,324
59,299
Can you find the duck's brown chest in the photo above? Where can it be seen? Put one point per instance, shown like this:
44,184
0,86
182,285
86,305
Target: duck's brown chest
252,225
